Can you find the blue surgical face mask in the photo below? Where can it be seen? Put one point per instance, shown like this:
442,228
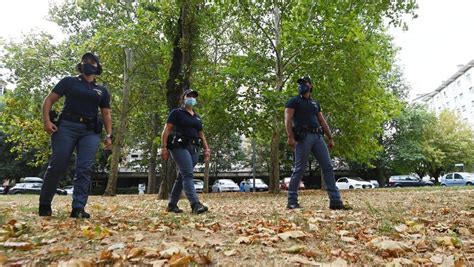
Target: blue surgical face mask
190,101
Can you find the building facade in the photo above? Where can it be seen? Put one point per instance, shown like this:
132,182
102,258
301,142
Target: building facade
455,94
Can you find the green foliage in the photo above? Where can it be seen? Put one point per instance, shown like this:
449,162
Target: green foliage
426,144
248,56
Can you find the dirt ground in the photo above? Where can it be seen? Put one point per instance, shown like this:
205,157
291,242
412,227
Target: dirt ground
394,227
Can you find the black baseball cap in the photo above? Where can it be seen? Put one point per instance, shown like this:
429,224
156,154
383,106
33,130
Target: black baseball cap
304,79
190,91
90,56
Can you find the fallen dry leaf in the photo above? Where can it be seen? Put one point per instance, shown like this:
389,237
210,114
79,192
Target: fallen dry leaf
76,263
231,252
17,245
292,234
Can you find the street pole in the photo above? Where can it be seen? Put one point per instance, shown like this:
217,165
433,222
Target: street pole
253,164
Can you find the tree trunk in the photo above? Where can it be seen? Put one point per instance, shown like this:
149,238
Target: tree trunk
155,125
120,134
206,177
178,79
275,158
275,143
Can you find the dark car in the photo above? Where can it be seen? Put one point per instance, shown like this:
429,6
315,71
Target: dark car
31,188
407,180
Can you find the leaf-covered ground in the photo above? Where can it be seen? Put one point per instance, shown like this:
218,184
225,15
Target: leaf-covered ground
428,226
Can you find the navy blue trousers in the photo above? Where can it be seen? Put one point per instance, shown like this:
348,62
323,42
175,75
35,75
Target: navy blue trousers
185,159
312,143
69,137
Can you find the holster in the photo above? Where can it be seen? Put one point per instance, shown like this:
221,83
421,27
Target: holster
177,140
54,117
300,133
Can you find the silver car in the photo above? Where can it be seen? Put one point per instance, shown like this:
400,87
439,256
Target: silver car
457,178
198,185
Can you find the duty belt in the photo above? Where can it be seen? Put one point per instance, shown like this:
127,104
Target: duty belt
318,130
77,118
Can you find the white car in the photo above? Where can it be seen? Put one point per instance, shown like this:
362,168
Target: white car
225,185
198,185
353,183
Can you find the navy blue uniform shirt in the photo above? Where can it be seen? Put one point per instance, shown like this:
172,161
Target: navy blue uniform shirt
82,97
184,123
305,111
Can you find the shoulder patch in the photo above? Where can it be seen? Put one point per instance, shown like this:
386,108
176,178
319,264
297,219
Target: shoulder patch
98,91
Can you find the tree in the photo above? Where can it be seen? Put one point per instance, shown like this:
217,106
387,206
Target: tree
447,141
407,151
179,77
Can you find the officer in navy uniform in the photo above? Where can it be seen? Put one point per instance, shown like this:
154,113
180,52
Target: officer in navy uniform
183,137
306,126
78,128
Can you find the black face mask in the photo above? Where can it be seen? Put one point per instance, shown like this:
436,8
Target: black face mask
89,69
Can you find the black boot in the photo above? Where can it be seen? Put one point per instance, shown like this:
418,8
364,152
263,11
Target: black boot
198,208
79,213
173,208
293,206
338,205
45,210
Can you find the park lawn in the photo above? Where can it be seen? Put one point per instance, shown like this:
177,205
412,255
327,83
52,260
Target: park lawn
413,226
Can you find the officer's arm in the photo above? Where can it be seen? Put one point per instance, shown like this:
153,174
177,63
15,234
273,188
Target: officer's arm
289,113
324,124
164,135
107,118
47,104
204,141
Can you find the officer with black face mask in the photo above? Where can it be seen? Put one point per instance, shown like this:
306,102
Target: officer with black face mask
77,128
306,126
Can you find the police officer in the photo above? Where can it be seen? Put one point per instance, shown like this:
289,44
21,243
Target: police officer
78,128
305,126
181,137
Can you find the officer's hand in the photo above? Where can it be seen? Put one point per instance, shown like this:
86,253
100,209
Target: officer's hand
50,128
291,142
207,155
107,143
165,154
331,143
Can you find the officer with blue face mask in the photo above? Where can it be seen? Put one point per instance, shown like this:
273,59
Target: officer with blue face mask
78,128
183,137
306,126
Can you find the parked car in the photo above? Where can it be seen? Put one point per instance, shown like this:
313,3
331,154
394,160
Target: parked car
375,183
457,178
285,183
1,189
31,180
198,185
407,180
353,183
225,185
69,189
31,185
247,185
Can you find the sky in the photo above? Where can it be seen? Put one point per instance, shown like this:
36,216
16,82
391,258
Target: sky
439,40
